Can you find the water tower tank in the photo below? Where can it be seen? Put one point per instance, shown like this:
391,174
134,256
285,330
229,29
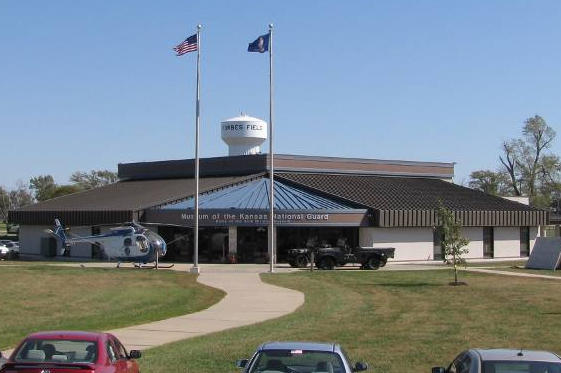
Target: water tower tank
244,134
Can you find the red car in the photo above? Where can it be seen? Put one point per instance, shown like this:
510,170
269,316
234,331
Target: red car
71,352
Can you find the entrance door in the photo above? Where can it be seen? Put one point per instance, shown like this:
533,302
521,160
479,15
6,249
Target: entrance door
252,245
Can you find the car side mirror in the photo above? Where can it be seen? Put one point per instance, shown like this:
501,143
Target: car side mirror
438,370
241,363
359,367
135,354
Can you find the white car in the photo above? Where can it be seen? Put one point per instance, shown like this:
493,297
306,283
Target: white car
503,361
9,249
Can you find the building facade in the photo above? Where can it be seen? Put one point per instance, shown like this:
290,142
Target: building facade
318,200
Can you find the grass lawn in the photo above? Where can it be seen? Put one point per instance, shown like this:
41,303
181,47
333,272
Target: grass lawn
34,297
396,321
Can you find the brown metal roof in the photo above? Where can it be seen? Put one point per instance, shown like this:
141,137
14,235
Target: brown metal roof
115,202
402,201
394,201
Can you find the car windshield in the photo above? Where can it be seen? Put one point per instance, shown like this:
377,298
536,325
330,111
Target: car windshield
57,350
297,361
520,367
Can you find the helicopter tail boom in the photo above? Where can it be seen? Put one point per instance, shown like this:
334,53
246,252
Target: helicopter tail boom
60,234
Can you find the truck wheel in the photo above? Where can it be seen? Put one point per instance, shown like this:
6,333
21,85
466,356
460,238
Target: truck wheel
301,261
372,263
383,261
327,263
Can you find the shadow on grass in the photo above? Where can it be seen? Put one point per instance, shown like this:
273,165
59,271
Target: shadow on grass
404,285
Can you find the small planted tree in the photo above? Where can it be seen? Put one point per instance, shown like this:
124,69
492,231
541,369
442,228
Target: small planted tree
453,243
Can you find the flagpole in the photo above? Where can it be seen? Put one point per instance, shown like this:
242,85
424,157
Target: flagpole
272,251
195,268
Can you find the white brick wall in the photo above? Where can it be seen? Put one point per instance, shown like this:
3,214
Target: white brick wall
409,243
507,242
475,237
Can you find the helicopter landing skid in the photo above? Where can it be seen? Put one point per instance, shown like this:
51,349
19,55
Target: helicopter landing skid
152,266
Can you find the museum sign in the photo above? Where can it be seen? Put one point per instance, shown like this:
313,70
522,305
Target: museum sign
253,217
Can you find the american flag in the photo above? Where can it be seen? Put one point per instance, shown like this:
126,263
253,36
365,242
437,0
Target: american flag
188,45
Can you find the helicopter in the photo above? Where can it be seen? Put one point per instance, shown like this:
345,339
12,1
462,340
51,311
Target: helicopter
130,242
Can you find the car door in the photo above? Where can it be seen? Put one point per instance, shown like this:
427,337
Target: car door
119,361
129,365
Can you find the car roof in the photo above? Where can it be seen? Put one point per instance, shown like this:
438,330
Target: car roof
308,346
513,355
67,334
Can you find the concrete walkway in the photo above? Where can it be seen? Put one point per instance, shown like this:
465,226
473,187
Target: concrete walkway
508,273
248,300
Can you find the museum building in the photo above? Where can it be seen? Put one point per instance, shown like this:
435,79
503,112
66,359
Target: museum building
318,200
373,203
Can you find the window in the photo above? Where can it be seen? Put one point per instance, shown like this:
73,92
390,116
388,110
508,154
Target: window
461,364
120,350
524,241
297,361
142,243
488,242
57,350
437,237
111,352
521,367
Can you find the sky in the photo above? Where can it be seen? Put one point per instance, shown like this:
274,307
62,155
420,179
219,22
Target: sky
86,85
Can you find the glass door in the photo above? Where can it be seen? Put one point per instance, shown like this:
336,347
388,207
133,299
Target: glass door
488,242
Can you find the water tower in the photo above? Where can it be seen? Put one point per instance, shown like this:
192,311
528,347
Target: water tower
243,134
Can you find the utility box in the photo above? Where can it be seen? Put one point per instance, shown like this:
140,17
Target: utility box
48,246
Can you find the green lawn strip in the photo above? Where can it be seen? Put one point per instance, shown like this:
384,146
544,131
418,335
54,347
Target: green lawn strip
396,321
505,264
34,298
545,272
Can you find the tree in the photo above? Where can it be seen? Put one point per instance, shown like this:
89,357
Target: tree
93,179
510,163
62,190
13,199
452,243
43,187
538,136
526,161
4,204
20,197
488,181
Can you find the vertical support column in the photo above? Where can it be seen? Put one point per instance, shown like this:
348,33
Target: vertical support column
233,242
272,241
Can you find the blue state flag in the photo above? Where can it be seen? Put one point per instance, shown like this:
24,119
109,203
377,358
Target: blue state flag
261,44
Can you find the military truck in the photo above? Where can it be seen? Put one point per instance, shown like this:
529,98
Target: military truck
328,257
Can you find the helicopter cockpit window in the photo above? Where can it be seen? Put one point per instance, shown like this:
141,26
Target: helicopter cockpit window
142,243
127,241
